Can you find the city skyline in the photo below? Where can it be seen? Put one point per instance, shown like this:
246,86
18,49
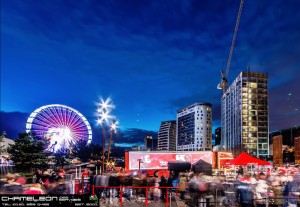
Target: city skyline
151,58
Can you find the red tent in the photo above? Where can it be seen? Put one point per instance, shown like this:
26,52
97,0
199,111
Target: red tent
244,159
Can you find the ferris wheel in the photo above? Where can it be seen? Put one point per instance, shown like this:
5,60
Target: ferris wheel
62,125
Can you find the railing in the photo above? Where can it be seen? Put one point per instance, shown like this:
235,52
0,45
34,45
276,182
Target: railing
147,189
6,168
216,196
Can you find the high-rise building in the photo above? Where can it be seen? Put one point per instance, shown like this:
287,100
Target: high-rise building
150,143
245,115
288,135
217,136
139,148
194,125
167,136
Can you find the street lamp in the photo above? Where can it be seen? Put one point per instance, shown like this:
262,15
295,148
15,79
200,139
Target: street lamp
140,161
103,117
113,128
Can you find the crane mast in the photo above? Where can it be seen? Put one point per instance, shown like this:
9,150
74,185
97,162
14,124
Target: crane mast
224,76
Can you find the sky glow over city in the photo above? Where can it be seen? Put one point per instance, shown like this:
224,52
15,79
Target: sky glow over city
151,58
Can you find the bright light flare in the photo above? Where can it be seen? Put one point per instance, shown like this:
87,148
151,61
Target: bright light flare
104,116
103,111
100,121
114,126
59,138
106,104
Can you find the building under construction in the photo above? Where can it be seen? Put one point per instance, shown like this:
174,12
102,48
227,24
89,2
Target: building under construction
245,116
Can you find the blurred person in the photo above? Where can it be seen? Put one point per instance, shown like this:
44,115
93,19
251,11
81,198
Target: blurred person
59,187
193,186
60,175
2,183
278,192
36,188
261,191
85,174
163,183
143,183
182,187
20,179
52,177
156,192
136,181
151,184
128,191
239,177
38,175
241,170
11,187
45,179
291,192
245,194
62,172
253,180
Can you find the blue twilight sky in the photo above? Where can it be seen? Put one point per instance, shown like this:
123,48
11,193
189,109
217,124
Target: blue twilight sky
151,57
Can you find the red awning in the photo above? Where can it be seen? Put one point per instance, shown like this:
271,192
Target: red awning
244,159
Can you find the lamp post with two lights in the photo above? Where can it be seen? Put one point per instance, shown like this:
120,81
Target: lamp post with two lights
103,111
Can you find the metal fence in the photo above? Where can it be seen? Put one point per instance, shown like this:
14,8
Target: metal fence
145,194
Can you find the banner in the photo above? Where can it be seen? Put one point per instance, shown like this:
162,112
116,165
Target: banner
223,159
159,160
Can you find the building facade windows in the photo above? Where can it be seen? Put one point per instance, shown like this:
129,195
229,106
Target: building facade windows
245,115
167,136
191,135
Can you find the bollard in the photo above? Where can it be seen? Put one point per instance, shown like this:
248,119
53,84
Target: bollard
216,200
146,201
77,183
207,202
121,195
93,190
167,199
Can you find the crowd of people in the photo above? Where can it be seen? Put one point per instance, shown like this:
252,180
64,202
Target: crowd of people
278,188
43,182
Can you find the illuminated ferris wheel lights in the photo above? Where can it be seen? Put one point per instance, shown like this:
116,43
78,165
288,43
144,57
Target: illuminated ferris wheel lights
61,125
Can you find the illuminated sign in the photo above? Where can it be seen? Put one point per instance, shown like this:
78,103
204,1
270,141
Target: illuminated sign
159,160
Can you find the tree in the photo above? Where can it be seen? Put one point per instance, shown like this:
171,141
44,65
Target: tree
2,147
96,151
28,152
82,151
62,157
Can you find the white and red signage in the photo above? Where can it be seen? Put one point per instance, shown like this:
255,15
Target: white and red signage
223,159
159,160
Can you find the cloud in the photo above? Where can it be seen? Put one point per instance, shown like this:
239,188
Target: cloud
161,56
15,122
134,136
123,138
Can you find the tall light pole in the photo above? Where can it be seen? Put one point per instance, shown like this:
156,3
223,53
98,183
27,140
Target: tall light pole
103,118
113,128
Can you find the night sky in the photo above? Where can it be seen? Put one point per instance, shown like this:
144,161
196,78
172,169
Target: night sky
151,57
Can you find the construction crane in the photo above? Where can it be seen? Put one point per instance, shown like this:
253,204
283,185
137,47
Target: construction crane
224,76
